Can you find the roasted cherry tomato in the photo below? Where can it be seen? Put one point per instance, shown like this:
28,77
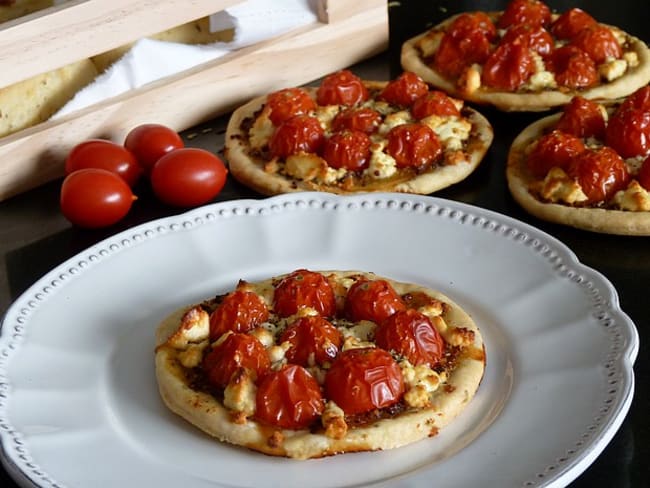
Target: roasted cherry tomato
236,351
150,142
94,198
341,88
600,173
301,133
470,23
188,177
509,66
374,300
571,22
103,154
404,89
304,288
289,398
599,43
313,339
643,176
413,145
240,311
534,37
411,334
363,119
454,54
434,102
555,149
628,132
286,103
639,99
531,12
582,118
347,149
573,67
361,380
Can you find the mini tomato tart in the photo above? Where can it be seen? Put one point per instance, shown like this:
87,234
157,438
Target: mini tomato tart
318,363
588,166
348,135
527,58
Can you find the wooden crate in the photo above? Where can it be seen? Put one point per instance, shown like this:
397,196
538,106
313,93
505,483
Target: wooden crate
347,32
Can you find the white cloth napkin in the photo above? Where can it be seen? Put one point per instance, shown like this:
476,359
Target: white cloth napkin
149,60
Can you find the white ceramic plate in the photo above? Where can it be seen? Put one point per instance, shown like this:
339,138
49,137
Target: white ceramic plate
79,403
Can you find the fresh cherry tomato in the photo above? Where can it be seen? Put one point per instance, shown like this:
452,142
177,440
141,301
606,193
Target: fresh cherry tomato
404,89
643,177
347,149
236,351
287,103
304,288
240,311
363,119
571,22
94,198
313,339
600,173
361,380
103,154
374,300
434,102
639,99
573,67
582,118
341,88
469,23
289,398
531,12
150,142
413,145
555,149
454,54
628,132
509,66
411,334
534,37
188,177
599,43
302,133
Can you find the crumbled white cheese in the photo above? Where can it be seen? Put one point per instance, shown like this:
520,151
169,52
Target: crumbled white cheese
631,59
304,166
381,165
333,419
420,382
451,131
470,79
394,119
195,327
634,198
559,187
325,115
612,69
240,393
261,130
541,78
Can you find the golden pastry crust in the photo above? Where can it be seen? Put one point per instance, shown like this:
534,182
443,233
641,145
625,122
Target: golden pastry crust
253,171
633,78
209,413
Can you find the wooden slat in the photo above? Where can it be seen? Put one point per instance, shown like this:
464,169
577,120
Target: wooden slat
335,10
54,37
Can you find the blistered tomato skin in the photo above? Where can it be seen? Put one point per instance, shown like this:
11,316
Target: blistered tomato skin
374,300
555,149
413,146
347,149
289,398
508,67
600,173
640,99
94,198
573,67
301,133
304,288
599,43
643,177
240,311
534,37
236,351
411,334
404,89
150,142
457,53
104,154
188,177
571,22
469,23
628,132
531,12
361,380
363,119
434,102
313,339
341,88
287,103
582,118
